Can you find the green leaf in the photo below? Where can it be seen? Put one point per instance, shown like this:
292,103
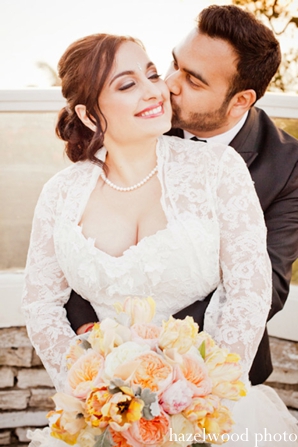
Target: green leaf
202,350
104,440
149,398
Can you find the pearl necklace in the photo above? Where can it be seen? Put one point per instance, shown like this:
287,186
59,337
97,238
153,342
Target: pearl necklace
128,188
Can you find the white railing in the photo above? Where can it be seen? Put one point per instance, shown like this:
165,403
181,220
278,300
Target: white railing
283,325
279,105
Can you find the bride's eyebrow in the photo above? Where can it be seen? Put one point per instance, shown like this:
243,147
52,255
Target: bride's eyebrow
129,72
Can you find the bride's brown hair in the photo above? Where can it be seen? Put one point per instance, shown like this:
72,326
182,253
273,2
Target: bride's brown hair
83,69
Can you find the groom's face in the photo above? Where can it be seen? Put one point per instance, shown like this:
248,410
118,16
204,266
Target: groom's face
199,80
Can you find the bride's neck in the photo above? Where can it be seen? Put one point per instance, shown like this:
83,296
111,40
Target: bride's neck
126,160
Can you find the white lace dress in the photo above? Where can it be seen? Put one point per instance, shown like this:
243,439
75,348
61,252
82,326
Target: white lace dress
215,238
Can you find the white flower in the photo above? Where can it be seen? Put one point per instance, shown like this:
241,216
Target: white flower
124,353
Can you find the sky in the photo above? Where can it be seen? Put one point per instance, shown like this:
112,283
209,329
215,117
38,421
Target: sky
34,31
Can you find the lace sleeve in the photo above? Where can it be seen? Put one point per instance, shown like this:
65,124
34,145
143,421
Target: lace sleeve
238,310
46,291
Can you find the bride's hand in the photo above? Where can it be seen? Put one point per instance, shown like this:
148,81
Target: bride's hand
84,328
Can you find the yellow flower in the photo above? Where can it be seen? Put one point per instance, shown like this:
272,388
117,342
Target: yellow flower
122,410
87,436
200,407
230,390
94,403
140,310
217,424
181,430
179,334
67,422
107,335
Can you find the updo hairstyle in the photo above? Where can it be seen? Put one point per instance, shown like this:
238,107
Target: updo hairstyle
83,69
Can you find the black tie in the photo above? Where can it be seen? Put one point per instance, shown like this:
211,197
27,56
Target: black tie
198,139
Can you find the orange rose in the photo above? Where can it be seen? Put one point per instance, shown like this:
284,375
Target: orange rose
119,439
83,373
154,432
153,372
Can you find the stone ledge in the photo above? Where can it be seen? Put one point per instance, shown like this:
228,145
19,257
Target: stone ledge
16,356
14,337
14,399
33,377
23,419
42,398
5,438
6,378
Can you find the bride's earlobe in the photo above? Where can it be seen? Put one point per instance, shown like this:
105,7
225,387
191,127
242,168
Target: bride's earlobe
82,114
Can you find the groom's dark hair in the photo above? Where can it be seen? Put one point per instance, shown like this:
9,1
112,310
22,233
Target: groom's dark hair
254,44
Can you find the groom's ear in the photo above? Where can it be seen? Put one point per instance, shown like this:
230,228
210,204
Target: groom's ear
81,111
241,102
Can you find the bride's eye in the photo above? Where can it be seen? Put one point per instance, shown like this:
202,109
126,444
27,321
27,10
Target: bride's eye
154,76
126,86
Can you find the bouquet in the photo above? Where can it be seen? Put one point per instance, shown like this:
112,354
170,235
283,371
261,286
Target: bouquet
134,384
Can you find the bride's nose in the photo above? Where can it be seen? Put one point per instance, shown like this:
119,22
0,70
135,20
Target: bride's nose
151,90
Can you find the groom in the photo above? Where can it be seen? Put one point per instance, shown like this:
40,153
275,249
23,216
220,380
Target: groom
218,72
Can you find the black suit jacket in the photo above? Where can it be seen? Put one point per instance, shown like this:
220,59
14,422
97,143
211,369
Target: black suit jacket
272,158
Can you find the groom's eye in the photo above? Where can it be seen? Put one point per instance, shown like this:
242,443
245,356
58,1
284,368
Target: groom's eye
175,65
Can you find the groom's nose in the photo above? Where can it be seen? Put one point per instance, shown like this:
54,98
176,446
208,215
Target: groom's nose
172,80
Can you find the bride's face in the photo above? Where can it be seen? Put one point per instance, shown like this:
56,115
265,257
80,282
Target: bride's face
134,101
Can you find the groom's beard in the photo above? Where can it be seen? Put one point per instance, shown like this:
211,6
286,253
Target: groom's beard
199,122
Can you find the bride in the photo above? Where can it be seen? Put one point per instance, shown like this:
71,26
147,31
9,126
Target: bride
141,214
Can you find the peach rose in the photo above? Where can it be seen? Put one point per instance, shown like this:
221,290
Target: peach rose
84,373
74,353
179,334
147,333
154,432
196,373
152,372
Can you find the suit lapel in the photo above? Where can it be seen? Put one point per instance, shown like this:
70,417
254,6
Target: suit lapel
246,141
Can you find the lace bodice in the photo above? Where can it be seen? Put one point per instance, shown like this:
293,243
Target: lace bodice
215,238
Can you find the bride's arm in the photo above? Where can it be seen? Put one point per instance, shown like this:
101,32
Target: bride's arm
46,291
237,313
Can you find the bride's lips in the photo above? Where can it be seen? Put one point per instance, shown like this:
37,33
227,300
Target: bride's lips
152,111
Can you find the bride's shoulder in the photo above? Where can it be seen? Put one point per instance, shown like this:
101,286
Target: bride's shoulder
194,151
74,174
